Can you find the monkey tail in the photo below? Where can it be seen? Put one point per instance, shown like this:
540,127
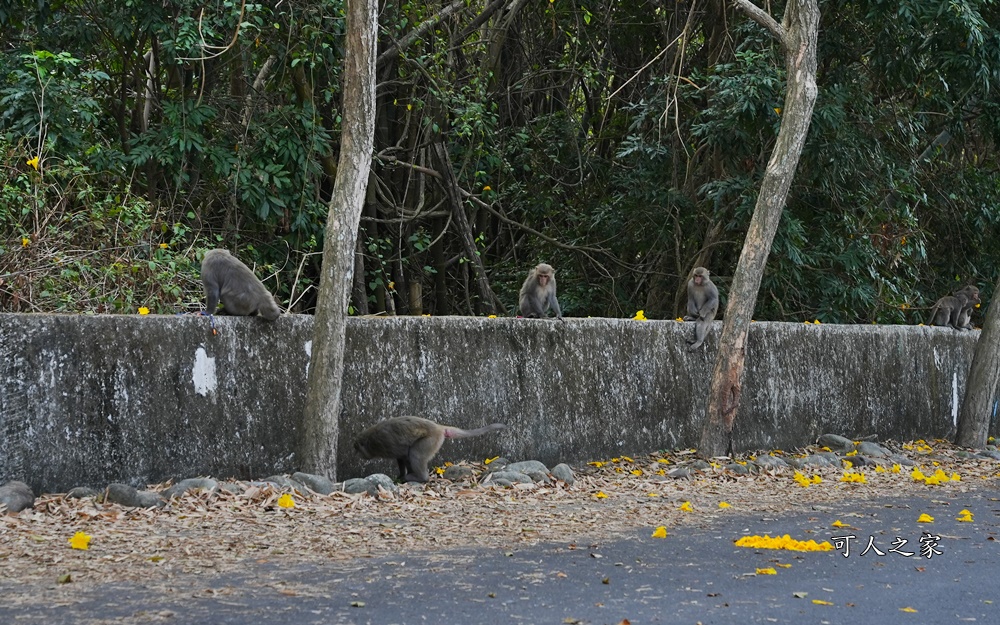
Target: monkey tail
452,432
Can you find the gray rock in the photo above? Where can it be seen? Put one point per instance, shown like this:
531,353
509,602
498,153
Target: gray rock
457,473
316,483
810,461
680,473
16,496
990,453
512,477
499,481
967,454
699,465
770,462
902,460
563,473
527,467
831,458
357,485
737,468
861,461
194,483
285,482
82,492
125,495
835,442
233,488
384,481
497,465
873,450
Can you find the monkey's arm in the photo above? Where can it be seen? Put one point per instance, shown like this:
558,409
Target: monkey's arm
554,304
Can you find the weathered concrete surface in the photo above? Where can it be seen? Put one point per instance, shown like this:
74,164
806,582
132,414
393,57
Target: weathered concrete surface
88,400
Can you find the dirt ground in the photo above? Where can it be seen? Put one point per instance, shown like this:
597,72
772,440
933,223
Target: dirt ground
204,533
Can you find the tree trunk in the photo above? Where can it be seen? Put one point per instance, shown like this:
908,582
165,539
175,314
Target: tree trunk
798,34
981,386
318,447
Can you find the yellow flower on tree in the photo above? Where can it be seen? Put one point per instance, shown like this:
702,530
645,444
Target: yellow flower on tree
286,501
33,162
80,541
640,316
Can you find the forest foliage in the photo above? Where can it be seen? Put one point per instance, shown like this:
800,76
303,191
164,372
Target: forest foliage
621,141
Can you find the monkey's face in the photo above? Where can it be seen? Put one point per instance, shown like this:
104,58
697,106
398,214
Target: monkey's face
699,279
543,279
360,448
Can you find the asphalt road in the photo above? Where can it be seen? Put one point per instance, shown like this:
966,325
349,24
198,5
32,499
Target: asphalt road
694,575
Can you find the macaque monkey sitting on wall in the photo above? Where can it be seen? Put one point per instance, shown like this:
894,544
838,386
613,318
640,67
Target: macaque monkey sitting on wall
955,310
703,303
412,442
228,280
538,293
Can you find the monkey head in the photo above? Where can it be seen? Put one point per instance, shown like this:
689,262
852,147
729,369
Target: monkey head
699,276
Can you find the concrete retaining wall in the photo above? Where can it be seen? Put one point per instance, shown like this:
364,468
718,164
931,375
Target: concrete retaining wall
85,400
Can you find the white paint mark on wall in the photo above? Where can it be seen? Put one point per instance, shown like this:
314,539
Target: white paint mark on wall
203,374
954,399
309,353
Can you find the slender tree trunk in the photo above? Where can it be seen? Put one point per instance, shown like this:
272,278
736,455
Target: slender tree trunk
318,447
984,379
798,34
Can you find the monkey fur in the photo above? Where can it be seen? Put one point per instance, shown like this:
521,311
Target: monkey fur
538,293
703,304
412,442
955,310
228,280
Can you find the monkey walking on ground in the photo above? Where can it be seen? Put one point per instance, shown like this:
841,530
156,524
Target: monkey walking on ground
703,303
538,293
955,310
412,442
228,280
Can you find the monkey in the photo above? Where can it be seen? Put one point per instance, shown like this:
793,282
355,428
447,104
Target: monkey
955,310
412,442
538,293
703,303
228,280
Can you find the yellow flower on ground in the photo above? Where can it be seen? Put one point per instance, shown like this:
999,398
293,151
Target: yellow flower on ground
680,319
627,459
955,477
143,310
917,475
964,516
600,494
594,464
33,162
848,464
817,479
25,241
839,523
661,532
686,507
80,541
723,505
286,501
652,494
491,316
782,542
896,468
852,453
907,610
489,460
767,571
925,518
879,468
640,316
636,472
821,602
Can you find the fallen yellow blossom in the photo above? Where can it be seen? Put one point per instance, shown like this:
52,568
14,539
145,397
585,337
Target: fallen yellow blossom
925,518
767,571
782,542
80,541
600,494
286,501
686,507
661,532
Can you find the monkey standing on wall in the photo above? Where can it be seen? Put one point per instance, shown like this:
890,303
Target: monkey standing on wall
955,310
228,280
703,303
538,293
412,442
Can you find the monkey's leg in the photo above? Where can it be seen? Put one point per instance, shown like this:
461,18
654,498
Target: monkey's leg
700,332
402,468
420,454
